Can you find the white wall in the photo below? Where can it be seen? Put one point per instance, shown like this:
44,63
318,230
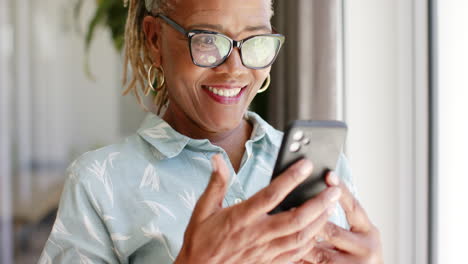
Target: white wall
51,112
452,131
371,78
385,90
71,112
59,112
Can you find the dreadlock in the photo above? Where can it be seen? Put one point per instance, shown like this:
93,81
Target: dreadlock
137,54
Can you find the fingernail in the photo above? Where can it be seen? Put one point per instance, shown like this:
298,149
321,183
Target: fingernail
306,168
334,195
333,179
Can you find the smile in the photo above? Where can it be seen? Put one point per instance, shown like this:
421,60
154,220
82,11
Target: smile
224,92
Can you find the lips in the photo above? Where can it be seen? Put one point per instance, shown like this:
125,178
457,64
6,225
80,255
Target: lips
225,94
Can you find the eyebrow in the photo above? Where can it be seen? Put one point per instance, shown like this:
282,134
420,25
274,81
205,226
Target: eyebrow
219,28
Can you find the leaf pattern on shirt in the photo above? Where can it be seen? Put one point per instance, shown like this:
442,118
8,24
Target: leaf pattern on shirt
72,176
73,163
55,244
45,259
100,171
111,158
108,218
119,237
150,178
157,132
157,207
59,227
158,155
188,199
151,231
83,258
154,233
93,199
117,252
90,228
165,229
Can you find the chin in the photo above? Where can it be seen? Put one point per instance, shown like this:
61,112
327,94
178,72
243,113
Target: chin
224,122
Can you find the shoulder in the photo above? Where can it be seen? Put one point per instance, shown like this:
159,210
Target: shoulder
112,157
108,179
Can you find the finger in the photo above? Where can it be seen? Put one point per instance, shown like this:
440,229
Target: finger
325,244
302,239
348,201
322,255
286,223
269,197
285,257
332,179
356,215
212,198
343,239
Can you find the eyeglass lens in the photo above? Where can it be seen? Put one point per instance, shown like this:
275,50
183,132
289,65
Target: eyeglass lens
210,50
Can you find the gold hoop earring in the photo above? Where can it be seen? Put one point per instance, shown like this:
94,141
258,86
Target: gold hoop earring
159,76
266,83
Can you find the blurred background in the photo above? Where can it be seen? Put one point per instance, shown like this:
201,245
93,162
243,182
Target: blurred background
395,70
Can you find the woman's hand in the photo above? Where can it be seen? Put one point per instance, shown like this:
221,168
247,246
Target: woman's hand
245,233
360,245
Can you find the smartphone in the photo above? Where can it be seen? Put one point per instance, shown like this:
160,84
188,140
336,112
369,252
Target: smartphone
321,142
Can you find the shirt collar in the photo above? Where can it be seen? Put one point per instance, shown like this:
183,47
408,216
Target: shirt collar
169,143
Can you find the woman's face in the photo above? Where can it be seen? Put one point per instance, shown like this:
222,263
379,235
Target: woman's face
189,85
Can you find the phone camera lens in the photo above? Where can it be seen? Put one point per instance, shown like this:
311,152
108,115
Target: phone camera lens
294,147
298,135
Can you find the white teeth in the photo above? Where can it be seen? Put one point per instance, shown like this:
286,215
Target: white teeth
225,92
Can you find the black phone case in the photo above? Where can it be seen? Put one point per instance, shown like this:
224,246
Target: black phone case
321,142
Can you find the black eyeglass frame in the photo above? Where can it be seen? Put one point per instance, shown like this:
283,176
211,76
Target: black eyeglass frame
234,43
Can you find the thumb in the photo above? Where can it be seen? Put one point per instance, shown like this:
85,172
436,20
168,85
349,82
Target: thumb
212,199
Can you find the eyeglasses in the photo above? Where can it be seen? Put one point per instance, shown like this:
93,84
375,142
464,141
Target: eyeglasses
210,49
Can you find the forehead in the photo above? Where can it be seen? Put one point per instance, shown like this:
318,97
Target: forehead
233,15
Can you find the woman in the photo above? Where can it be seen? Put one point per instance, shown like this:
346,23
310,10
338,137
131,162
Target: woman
156,198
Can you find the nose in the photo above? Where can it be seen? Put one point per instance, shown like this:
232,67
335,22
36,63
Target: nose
233,64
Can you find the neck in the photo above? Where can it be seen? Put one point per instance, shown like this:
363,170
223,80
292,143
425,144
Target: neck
232,141
186,126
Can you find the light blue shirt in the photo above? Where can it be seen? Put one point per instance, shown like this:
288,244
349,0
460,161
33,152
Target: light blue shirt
131,202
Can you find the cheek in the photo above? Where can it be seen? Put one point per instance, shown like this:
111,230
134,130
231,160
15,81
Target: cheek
177,57
183,83
261,76
180,71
